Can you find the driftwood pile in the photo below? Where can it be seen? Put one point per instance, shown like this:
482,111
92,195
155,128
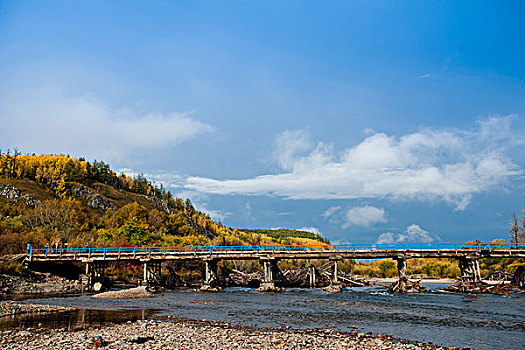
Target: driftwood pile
350,281
299,278
479,288
404,285
499,276
241,279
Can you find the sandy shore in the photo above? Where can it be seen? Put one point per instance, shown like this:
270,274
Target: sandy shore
179,334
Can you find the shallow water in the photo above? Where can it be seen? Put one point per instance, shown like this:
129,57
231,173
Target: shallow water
448,319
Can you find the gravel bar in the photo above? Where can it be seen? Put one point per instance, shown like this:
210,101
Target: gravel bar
10,308
188,334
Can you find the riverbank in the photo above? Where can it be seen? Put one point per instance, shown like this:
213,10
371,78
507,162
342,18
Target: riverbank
185,334
11,308
37,283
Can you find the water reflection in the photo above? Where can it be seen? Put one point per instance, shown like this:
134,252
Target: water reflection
74,319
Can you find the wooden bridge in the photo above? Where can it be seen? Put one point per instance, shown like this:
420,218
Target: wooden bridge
95,259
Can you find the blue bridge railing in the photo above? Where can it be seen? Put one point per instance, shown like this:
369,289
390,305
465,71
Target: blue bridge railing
478,247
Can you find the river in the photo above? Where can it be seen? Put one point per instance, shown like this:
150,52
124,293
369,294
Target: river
447,319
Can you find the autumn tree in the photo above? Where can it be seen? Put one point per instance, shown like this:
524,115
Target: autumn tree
517,228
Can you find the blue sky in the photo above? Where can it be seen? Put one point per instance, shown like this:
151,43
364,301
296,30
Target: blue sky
368,121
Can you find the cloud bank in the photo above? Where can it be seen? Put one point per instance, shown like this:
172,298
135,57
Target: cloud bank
445,164
364,216
413,234
51,122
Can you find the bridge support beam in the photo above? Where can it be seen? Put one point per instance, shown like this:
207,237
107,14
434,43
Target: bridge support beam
211,281
272,275
470,270
152,272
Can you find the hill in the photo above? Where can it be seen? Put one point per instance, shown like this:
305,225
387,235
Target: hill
50,198
284,235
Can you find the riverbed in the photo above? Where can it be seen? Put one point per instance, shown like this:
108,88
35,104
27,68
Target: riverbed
447,319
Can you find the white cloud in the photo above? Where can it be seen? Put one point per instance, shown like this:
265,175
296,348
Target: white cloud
311,229
413,234
217,215
290,148
331,211
446,164
428,76
48,121
288,144
364,216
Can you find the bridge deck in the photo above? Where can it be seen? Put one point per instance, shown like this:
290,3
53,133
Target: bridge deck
457,251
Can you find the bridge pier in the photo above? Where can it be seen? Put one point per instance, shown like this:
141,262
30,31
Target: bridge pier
312,273
470,270
96,275
335,284
519,277
335,271
402,271
152,272
272,274
173,279
211,282
402,267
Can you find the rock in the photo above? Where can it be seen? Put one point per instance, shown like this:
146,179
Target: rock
333,288
10,308
269,287
95,201
206,335
14,194
210,288
132,293
405,286
160,204
97,287
38,283
98,201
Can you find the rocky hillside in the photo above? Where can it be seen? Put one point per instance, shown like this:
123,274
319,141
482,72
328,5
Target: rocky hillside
55,198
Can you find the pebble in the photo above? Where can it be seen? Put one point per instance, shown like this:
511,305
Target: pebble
9,308
187,334
38,284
